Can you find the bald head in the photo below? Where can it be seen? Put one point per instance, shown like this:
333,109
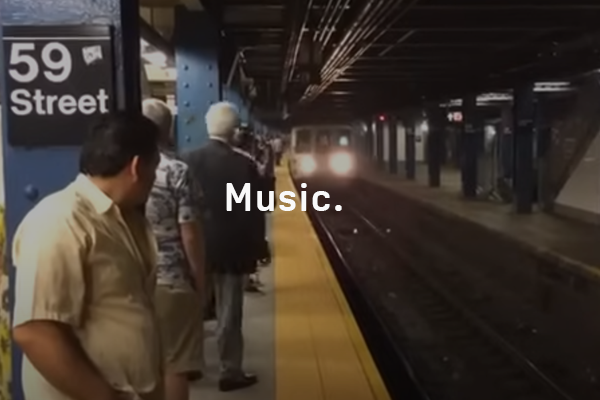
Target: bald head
222,120
158,112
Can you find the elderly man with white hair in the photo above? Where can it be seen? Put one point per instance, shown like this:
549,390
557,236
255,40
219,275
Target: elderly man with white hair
173,214
234,238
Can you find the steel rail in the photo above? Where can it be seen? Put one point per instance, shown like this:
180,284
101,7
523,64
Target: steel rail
402,383
527,365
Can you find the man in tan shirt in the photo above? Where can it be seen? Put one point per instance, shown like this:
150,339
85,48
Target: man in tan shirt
85,260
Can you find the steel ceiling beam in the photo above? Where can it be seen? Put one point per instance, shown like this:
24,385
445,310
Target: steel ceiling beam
498,20
402,59
445,26
467,40
298,27
509,7
371,23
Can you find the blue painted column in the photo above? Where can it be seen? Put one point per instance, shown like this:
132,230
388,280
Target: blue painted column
32,173
524,178
196,40
379,144
410,149
435,143
368,149
543,130
472,130
393,145
506,143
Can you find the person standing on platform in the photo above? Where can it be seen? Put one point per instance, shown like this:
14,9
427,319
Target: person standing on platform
269,158
277,145
246,144
232,237
85,262
173,214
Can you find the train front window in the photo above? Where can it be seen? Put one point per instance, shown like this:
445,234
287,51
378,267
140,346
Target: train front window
303,141
328,141
343,139
323,142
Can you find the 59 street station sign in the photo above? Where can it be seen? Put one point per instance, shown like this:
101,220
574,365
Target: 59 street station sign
58,79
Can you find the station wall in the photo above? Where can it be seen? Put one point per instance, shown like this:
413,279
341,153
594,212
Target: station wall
580,197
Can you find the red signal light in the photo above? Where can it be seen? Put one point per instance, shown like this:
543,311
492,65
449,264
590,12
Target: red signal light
382,118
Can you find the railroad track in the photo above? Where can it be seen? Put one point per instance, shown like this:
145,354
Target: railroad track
455,353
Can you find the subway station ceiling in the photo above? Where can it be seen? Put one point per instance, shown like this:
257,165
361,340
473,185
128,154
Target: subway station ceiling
348,57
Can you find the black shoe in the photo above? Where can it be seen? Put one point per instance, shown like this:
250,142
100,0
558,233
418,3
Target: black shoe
195,376
253,288
259,284
231,384
210,314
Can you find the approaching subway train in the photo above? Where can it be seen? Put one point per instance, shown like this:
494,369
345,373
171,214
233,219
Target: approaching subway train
323,150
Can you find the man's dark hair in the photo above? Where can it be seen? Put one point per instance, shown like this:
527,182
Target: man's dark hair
114,140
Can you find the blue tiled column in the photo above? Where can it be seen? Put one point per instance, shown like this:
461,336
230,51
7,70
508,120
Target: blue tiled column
471,139
30,174
196,40
410,149
524,112
369,140
435,145
379,144
393,145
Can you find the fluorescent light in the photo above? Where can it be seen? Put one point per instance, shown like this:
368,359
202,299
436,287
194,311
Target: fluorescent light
494,97
545,87
156,58
552,89
171,73
554,84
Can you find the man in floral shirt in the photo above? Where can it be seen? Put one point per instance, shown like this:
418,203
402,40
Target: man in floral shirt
173,214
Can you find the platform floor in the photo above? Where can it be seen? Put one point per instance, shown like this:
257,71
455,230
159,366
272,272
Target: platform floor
301,337
570,242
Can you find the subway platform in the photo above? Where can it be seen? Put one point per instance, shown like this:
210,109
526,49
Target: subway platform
301,337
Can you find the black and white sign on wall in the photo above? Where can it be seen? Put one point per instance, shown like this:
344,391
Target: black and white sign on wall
58,79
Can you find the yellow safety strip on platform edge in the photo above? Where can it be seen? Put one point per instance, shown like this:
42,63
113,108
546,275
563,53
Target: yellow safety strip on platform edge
309,374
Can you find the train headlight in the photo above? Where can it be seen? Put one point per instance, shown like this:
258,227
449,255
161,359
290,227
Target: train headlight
307,164
341,163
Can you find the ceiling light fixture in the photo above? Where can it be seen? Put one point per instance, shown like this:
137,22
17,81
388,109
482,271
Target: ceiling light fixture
156,58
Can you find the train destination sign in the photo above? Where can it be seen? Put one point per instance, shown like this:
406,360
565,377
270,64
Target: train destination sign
58,79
